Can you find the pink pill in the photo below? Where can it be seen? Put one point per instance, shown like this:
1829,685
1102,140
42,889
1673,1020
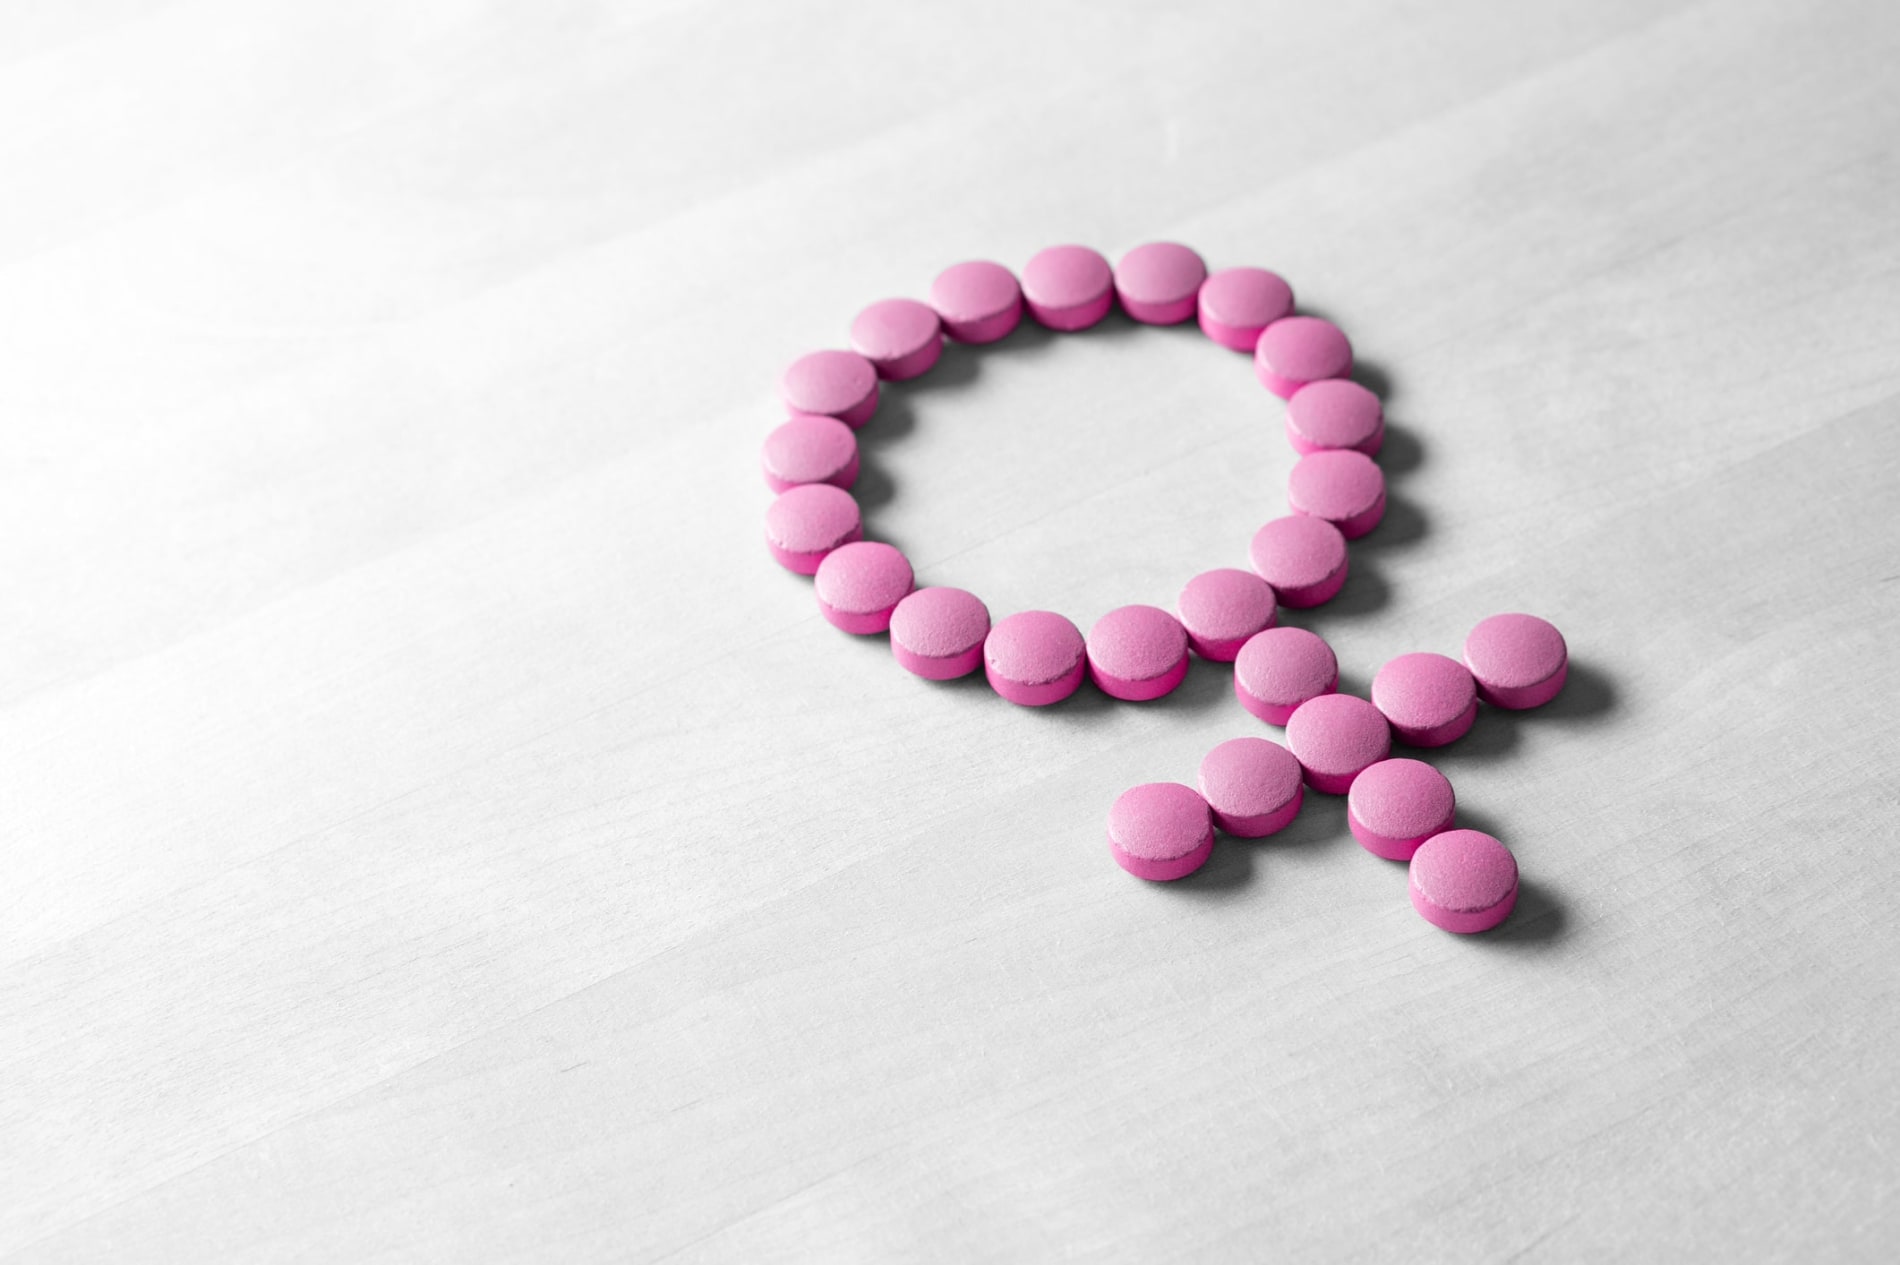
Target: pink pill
1428,699
900,337
1160,831
1463,881
938,633
840,384
1034,658
1341,486
1252,786
1335,413
1519,661
1158,283
1302,557
1222,608
1282,668
1236,304
1137,653
809,521
1396,805
810,448
1068,287
1296,350
978,301
860,584
1337,737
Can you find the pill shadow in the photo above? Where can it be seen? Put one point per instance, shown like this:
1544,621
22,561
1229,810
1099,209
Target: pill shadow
1401,453
1402,524
1536,923
1321,822
1229,870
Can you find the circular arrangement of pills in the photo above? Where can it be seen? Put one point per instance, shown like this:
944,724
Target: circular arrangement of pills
978,301
1221,609
840,384
810,448
1034,658
1137,653
1518,661
938,633
1068,287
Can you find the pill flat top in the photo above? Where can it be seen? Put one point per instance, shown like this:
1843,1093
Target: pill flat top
1159,281
1137,643
1033,648
1336,484
940,622
1402,799
1222,608
863,577
1249,777
809,448
1246,298
1337,735
1298,551
1067,277
1159,821
894,329
1286,665
1335,413
828,382
1303,349
1464,871
974,291
1423,690
1515,651
811,518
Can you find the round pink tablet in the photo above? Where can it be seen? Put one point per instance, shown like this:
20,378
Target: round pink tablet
860,584
1398,804
1068,287
810,448
1252,785
1158,283
1034,658
1137,653
1236,304
840,384
1281,668
1341,486
1302,557
1519,661
979,301
1222,608
1428,699
900,337
1296,350
938,633
1160,831
1337,737
1335,413
807,522
1463,881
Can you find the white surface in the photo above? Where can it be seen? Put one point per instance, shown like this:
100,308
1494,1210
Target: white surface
435,830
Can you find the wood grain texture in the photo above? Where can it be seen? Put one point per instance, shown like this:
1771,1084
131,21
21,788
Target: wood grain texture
434,830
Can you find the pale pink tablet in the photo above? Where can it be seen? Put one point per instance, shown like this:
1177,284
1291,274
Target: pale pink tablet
810,448
1337,737
1335,413
1428,699
1137,653
1252,785
1068,287
1034,658
1158,283
1160,831
1296,350
1341,486
1463,881
938,633
1281,668
1222,608
1236,304
840,384
807,522
1519,661
1302,557
860,584
979,301
1396,805
900,337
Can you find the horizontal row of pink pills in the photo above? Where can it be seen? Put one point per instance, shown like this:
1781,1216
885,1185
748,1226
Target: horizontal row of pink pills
1399,809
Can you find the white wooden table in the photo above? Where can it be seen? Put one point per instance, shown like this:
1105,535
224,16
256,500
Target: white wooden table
434,830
